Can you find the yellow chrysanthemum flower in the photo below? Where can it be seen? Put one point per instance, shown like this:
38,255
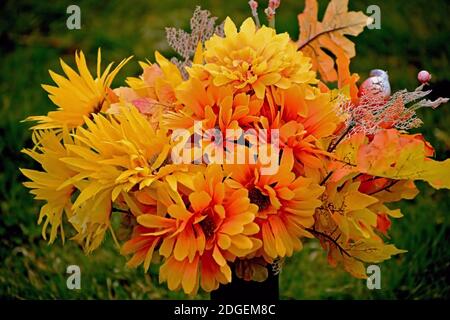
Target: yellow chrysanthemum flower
117,152
254,58
115,155
77,96
45,185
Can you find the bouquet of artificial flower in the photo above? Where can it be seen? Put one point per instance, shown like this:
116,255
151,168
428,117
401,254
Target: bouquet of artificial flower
221,161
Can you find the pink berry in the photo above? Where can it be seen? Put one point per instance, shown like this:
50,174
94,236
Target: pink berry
424,76
274,4
253,4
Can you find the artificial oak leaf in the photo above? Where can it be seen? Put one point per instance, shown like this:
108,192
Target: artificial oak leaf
345,157
354,267
318,38
383,223
395,190
402,157
391,155
372,251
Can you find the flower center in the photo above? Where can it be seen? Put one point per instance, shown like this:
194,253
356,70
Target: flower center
208,227
258,198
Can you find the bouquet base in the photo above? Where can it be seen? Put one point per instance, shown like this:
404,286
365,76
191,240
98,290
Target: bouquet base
239,289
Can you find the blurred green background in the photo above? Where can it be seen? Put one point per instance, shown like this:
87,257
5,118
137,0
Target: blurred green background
415,35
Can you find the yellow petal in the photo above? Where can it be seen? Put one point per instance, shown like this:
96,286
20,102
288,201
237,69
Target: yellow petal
248,26
199,200
229,27
218,257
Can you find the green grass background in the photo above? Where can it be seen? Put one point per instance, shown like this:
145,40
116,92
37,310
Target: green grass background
415,35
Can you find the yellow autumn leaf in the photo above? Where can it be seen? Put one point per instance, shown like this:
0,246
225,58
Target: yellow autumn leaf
346,157
392,155
366,215
372,251
357,201
402,157
401,189
354,267
380,208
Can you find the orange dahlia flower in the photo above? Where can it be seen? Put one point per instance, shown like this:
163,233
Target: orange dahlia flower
217,107
286,204
199,234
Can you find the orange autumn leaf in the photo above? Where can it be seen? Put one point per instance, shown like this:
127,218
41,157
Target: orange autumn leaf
319,38
391,155
383,223
402,157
